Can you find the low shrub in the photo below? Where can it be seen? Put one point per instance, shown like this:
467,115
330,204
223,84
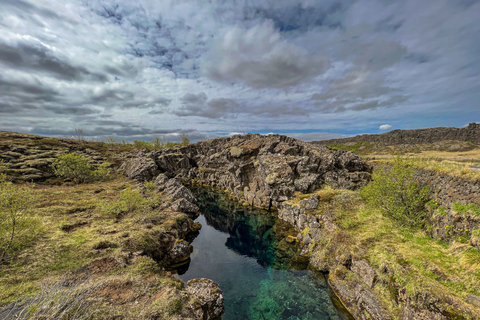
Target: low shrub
78,168
394,191
18,225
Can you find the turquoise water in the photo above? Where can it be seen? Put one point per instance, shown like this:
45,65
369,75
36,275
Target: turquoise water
260,273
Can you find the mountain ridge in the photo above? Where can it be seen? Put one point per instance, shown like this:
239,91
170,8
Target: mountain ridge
470,133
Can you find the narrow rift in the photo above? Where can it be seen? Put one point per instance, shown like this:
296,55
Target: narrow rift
261,274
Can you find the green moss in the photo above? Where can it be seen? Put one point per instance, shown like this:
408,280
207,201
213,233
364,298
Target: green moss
468,208
442,211
362,146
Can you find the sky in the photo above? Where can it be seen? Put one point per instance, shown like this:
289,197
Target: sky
309,69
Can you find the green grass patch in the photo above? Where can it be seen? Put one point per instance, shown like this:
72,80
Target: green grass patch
468,208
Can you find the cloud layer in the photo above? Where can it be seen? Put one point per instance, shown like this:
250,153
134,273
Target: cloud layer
141,69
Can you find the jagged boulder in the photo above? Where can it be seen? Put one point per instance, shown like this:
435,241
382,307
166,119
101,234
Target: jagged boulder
262,170
180,251
141,167
183,205
175,190
207,299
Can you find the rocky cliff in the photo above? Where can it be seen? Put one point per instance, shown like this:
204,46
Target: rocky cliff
470,133
260,170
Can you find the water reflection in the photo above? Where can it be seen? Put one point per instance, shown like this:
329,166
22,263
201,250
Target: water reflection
246,253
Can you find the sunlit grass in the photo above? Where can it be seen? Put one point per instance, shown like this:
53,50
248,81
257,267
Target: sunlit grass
407,257
449,167
74,225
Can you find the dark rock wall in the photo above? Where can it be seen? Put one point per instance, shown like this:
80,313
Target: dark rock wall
444,222
470,133
447,189
261,170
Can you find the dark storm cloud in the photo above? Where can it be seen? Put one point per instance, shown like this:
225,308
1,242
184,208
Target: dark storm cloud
23,92
33,56
79,111
196,105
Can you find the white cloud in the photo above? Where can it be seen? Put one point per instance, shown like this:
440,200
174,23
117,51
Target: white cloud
268,65
385,127
260,58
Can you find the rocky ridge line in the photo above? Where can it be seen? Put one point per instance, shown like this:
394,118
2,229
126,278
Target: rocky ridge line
470,133
262,171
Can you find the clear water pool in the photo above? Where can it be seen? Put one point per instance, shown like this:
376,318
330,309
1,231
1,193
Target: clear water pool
260,273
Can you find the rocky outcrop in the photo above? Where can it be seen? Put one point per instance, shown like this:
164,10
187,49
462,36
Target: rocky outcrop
447,189
30,157
164,241
470,133
351,279
357,297
207,299
260,170
141,169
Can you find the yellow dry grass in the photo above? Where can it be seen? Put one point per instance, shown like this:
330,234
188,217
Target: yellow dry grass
450,167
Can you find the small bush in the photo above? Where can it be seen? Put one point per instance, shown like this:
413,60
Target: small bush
150,186
184,140
78,168
18,226
102,173
397,195
3,167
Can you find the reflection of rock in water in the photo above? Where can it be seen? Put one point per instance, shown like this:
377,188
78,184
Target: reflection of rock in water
182,269
253,233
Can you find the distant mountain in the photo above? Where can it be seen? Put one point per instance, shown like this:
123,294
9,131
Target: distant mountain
470,133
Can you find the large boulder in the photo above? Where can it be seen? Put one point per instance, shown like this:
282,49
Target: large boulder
142,167
261,170
207,299
183,205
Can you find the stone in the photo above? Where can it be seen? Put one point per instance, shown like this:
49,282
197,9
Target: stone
161,181
180,251
175,190
140,168
207,297
473,299
183,205
312,202
268,168
364,271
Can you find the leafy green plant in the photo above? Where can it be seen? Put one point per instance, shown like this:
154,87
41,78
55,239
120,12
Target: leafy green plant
150,186
466,208
78,168
102,172
442,211
18,226
184,140
74,167
394,191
